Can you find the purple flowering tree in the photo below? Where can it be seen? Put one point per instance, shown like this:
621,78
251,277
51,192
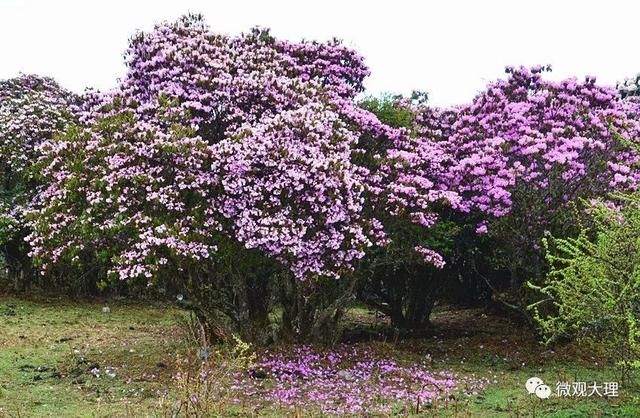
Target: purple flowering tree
409,195
213,151
528,149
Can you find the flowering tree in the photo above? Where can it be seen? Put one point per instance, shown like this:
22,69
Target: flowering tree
211,142
221,164
410,195
526,149
122,188
32,110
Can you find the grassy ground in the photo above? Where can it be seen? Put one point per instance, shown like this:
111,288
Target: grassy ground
48,347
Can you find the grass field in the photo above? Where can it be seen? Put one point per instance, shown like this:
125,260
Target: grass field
51,349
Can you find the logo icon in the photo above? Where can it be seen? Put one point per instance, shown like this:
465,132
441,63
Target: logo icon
537,386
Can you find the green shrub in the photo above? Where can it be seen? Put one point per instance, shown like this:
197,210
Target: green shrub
594,283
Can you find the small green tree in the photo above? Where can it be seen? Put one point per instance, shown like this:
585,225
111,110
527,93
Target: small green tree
594,283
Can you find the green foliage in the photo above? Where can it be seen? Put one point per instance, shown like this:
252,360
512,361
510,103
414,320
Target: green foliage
8,224
594,283
388,109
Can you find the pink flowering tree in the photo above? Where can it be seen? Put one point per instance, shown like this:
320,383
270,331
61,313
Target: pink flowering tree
32,110
528,149
218,166
122,191
413,201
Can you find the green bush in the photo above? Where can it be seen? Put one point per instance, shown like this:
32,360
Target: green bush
594,283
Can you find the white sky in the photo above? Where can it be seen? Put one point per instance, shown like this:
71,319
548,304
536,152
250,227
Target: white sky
448,48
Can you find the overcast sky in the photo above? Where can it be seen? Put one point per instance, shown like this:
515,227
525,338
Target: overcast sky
448,48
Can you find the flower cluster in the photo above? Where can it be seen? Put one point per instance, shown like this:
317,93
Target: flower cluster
528,136
259,140
141,203
247,136
32,110
290,189
407,181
